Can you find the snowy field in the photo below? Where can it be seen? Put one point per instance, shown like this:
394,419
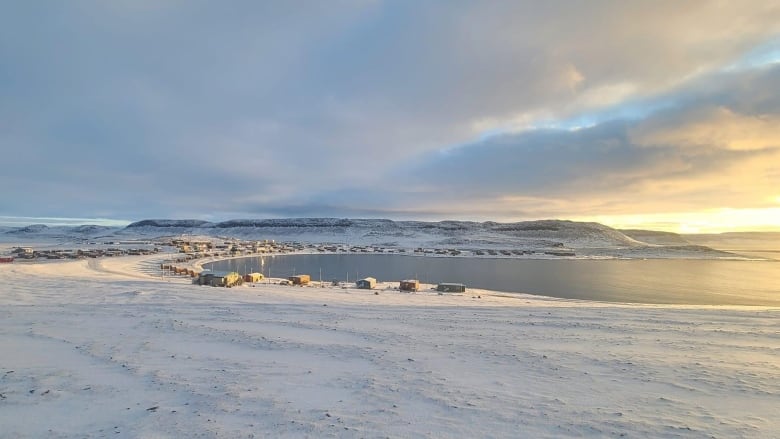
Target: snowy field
105,348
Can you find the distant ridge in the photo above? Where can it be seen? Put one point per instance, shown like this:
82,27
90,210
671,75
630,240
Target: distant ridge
169,223
92,228
31,229
540,237
287,222
551,225
552,233
37,231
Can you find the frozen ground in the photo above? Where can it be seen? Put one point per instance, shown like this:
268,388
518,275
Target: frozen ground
105,348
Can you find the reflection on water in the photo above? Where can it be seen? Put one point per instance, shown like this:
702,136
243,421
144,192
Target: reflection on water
712,282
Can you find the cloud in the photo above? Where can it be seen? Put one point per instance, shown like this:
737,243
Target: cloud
133,109
717,127
716,147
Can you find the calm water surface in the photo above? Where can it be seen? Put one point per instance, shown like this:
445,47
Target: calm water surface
670,281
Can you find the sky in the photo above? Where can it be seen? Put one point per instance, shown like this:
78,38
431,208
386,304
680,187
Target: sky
638,114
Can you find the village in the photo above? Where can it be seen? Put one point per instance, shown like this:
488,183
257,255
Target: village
197,247
234,278
195,250
187,253
31,254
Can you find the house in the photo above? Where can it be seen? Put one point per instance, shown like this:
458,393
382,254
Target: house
218,279
367,283
226,280
201,246
204,278
409,285
451,288
301,279
253,277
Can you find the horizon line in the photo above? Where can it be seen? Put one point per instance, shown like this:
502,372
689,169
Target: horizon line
50,221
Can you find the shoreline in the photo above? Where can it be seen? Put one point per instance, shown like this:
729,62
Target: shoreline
582,284
148,268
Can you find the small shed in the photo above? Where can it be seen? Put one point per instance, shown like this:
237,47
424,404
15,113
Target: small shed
366,283
253,277
301,279
409,285
451,288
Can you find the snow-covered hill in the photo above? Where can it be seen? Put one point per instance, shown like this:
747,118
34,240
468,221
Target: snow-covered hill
581,238
548,237
443,233
655,237
37,232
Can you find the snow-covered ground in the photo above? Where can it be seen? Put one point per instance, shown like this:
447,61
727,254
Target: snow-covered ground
107,348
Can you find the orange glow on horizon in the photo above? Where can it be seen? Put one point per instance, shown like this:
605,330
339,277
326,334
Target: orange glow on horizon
709,221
